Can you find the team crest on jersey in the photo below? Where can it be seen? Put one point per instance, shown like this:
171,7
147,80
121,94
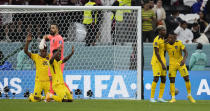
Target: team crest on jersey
176,47
158,73
53,40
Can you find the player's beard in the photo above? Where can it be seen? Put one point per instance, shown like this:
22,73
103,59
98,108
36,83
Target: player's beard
52,33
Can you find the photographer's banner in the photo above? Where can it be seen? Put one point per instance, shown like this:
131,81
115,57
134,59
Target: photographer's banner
106,84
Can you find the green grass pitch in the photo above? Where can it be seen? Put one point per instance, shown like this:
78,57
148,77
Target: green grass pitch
103,105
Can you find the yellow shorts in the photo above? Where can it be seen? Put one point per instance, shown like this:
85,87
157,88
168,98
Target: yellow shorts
182,69
40,86
158,70
62,91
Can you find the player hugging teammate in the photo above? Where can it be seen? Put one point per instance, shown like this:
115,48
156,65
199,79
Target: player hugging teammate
174,48
49,69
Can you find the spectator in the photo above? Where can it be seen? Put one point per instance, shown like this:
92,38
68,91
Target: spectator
160,12
207,7
91,21
76,2
148,16
5,2
6,33
10,32
39,2
198,59
4,65
2,35
176,2
166,2
62,2
19,31
49,2
197,6
202,22
195,31
172,22
152,4
183,33
18,2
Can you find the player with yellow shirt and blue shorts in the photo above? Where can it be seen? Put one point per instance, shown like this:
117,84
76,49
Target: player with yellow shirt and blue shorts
177,63
158,63
42,81
62,93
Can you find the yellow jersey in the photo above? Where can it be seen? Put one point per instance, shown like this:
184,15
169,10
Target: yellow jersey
41,67
56,72
160,44
175,52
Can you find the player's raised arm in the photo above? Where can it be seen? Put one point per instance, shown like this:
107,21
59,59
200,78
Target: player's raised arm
158,57
46,37
69,56
185,57
28,40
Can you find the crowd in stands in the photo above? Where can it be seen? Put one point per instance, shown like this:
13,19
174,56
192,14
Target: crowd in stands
172,14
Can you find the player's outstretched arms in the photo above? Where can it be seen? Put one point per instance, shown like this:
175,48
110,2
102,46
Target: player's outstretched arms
69,56
28,40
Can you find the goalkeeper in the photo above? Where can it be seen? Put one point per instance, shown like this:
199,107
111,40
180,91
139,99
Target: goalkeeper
58,85
42,81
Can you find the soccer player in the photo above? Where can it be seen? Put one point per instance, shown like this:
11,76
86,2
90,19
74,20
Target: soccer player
62,92
42,81
177,62
158,63
55,41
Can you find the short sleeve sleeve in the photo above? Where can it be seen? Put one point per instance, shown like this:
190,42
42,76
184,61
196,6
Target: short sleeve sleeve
60,62
155,43
33,56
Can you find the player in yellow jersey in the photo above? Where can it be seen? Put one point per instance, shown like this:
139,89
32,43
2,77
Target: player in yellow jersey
158,63
177,62
42,81
62,92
